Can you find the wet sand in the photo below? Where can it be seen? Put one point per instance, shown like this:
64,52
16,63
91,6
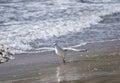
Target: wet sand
101,64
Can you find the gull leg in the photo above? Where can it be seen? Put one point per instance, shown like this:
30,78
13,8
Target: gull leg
63,59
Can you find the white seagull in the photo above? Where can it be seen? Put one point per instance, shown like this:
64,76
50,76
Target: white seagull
59,51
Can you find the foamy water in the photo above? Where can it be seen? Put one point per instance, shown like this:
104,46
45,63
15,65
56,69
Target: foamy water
27,25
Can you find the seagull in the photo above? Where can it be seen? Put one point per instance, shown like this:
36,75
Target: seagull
59,51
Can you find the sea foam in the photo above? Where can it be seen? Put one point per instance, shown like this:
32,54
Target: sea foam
36,23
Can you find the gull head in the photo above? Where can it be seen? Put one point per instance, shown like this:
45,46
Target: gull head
55,43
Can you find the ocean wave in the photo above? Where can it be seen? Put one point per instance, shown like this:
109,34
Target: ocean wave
33,25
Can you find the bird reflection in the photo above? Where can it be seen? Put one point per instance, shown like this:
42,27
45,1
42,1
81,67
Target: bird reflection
60,73
66,72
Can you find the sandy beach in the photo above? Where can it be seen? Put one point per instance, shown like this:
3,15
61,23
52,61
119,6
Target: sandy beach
99,64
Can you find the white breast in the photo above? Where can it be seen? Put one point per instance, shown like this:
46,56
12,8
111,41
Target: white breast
59,51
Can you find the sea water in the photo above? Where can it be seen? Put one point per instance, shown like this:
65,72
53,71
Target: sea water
32,24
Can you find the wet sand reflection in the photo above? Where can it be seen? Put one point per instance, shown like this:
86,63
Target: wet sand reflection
65,72
101,69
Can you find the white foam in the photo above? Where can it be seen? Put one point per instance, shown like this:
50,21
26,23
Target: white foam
79,16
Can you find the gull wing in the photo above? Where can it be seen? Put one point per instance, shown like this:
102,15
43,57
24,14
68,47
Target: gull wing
76,50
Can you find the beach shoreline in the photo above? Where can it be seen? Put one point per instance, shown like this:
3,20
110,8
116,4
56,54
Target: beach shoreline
27,64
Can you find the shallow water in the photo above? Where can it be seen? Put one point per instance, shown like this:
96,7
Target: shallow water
97,67
83,71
